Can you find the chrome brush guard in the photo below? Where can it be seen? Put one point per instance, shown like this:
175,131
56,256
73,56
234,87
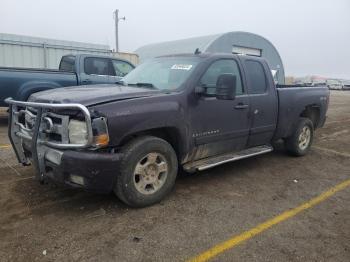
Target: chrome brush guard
32,123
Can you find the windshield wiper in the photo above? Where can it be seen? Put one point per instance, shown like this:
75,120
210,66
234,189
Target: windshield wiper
147,85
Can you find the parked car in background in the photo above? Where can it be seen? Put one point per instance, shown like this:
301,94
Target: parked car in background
346,84
74,70
191,111
334,84
319,83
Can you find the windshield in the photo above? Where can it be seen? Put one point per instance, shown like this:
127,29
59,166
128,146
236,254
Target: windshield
333,82
167,73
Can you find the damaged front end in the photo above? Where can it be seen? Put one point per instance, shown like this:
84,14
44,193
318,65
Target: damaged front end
63,142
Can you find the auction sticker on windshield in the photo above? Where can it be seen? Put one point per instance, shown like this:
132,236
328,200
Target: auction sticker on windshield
182,67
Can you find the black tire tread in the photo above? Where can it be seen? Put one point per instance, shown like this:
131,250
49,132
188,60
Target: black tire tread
291,142
128,150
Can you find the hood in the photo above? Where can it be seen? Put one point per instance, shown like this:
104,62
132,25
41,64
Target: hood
91,94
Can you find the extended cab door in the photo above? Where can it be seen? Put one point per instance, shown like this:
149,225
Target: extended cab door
96,70
219,126
263,101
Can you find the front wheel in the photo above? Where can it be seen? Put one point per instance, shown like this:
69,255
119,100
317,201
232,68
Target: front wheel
147,172
300,142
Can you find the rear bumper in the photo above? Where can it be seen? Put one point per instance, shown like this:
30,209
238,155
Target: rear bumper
93,171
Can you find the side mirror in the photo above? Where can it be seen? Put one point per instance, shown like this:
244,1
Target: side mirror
226,87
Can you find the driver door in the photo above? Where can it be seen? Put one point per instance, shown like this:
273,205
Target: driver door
220,126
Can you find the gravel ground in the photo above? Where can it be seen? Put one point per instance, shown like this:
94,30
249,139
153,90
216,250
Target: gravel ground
47,223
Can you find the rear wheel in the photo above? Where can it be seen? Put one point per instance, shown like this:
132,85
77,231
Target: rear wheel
300,142
147,173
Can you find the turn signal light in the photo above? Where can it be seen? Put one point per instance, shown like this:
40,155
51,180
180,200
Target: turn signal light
101,140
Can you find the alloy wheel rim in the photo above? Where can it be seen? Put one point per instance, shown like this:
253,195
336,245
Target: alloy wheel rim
150,173
304,138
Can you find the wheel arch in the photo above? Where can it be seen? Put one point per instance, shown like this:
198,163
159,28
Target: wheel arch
312,112
170,134
32,87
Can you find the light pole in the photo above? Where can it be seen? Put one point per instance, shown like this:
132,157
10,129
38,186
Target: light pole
116,19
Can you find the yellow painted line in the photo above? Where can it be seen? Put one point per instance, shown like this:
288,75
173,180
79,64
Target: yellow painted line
238,239
5,146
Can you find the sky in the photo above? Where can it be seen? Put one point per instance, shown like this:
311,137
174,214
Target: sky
312,36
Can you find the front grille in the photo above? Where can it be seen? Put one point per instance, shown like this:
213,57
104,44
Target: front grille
29,118
54,127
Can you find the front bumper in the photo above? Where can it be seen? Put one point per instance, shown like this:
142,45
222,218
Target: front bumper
93,171
72,164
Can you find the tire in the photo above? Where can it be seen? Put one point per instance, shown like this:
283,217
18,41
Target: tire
148,171
300,142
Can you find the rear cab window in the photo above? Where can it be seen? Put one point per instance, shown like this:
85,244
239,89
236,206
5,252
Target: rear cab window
67,64
256,77
98,66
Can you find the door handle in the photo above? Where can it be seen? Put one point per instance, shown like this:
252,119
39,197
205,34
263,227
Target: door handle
241,106
86,81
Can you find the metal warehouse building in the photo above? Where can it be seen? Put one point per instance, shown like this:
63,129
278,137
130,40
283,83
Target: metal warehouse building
36,52
231,42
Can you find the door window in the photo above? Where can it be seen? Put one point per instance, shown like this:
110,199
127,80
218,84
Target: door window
256,77
224,66
98,66
121,68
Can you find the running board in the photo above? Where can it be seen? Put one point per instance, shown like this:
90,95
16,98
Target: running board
207,163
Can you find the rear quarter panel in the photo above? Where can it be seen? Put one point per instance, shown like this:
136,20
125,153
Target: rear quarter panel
20,83
293,101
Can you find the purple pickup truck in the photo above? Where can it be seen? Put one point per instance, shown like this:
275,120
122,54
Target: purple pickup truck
191,111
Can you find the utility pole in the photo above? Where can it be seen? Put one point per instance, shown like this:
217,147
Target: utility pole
116,19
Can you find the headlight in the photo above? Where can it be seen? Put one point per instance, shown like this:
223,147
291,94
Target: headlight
77,132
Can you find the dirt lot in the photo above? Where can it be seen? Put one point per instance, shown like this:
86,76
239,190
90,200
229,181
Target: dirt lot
44,222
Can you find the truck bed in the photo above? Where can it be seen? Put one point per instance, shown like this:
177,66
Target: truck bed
14,82
290,99
2,68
